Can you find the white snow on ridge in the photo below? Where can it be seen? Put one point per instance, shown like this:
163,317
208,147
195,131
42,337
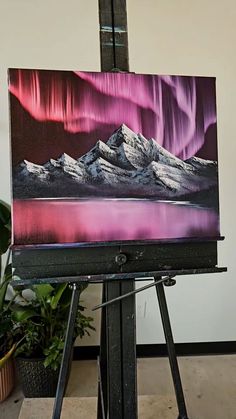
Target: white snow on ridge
103,171
127,164
199,163
28,169
66,159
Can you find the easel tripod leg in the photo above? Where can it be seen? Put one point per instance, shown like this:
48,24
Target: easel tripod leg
171,352
117,373
129,364
61,386
102,385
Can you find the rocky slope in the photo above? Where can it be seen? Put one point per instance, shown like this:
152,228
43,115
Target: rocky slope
128,165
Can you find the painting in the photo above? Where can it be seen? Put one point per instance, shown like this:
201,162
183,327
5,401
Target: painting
107,157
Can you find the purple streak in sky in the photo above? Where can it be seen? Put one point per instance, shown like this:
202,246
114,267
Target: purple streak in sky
174,110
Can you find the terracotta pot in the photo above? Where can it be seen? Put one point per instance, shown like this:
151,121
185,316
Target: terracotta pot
7,379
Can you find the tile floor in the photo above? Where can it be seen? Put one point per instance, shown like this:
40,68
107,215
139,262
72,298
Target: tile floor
209,383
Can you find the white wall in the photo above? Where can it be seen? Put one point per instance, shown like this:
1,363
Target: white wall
165,36
194,38
49,34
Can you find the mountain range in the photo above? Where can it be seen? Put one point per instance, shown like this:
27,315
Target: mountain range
128,165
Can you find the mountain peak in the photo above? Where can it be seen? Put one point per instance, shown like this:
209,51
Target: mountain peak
28,169
101,145
125,130
31,167
122,134
66,159
28,163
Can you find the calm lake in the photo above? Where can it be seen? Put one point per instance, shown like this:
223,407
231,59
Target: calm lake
87,220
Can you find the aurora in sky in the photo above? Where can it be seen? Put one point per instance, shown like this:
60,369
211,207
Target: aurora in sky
79,108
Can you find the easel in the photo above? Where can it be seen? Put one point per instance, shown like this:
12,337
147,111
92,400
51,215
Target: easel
117,389
117,386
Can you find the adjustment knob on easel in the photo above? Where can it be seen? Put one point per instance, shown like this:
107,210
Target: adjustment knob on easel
170,282
121,259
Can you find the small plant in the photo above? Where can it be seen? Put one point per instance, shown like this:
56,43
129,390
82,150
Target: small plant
5,227
7,345
6,324
42,320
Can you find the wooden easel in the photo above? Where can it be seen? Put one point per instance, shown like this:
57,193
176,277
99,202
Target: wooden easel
117,365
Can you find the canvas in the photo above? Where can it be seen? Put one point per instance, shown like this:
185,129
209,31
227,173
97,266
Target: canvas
107,157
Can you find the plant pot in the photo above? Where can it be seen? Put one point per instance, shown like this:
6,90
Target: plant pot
7,379
35,379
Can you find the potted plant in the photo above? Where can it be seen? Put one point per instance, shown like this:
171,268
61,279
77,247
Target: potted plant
41,320
5,229
7,345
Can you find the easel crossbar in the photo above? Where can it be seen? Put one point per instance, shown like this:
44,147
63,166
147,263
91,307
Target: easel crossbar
121,297
139,276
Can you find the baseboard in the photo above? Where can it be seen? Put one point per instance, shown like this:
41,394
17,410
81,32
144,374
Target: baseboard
158,350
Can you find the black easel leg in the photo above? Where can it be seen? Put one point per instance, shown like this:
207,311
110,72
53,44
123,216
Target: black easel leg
102,382
61,385
129,373
171,351
118,354
114,353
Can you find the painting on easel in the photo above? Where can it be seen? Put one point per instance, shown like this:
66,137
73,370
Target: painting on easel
104,157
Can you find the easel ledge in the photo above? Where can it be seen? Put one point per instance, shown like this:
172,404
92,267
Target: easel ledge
113,261
139,276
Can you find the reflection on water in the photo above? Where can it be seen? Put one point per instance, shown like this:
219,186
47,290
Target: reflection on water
69,221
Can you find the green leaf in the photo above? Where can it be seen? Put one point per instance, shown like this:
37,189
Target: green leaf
8,272
46,362
66,298
56,298
8,226
43,290
5,238
5,212
7,356
5,226
21,314
4,284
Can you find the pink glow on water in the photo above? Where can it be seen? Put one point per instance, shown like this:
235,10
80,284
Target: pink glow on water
176,111
70,221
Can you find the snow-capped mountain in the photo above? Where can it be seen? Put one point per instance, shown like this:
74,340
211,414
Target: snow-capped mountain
127,165
27,169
